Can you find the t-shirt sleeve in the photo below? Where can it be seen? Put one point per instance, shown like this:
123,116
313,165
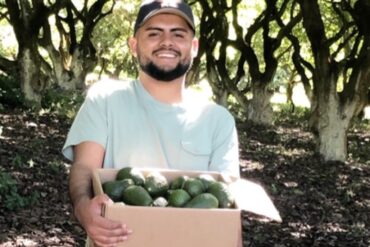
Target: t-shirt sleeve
225,154
90,123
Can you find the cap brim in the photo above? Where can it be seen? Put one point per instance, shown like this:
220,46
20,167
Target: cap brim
172,11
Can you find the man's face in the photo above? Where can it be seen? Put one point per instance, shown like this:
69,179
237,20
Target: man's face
165,47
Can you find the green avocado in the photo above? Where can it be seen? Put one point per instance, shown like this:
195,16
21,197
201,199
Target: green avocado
114,189
221,191
133,173
137,196
206,179
204,200
194,187
178,183
178,198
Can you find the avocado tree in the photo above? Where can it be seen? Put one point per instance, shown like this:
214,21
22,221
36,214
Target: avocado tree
44,59
75,55
27,19
256,47
110,39
340,68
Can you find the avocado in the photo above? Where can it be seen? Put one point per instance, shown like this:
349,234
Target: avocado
114,189
156,184
178,198
204,200
178,183
131,172
136,195
221,191
206,179
194,187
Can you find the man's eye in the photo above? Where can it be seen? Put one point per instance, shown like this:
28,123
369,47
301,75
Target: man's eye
153,34
179,35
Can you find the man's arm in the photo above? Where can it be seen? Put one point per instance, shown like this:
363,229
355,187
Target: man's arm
87,209
87,156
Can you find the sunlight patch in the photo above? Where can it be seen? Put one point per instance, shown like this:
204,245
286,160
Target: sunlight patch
300,229
333,227
21,241
367,112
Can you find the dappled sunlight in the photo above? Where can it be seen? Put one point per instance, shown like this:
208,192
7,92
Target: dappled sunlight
201,89
27,240
20,241
247,165
8,46
332,227
302,229
196,96
293,152
299,97
367,113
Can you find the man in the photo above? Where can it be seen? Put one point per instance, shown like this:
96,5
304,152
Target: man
149,122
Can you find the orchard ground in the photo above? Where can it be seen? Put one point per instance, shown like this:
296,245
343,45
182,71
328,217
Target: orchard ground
321,203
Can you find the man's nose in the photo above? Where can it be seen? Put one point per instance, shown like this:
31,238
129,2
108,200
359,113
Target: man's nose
167,39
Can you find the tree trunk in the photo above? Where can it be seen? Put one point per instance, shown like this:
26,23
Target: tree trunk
333,111
259,109
331,120
32,82
332,139
221,96
84,61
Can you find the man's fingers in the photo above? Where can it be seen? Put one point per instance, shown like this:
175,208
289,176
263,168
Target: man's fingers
113,228
103,231
110,238
109,232
109,241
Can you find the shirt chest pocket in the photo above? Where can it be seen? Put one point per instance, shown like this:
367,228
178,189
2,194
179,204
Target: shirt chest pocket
195,154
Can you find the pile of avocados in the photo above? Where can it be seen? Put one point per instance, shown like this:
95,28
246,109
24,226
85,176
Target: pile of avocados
133,188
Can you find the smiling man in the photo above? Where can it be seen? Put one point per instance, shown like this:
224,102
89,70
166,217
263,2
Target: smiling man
151,122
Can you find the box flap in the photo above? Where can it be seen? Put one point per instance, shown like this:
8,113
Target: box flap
251,197
97,188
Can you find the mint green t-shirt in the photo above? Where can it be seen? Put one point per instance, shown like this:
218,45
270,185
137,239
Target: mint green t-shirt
137,130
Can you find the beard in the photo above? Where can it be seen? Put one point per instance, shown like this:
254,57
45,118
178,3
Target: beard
162,74
165,75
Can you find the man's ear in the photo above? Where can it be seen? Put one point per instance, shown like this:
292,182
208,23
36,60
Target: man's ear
195,47
132,43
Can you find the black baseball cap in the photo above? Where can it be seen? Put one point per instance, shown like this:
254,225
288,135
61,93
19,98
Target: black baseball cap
151,8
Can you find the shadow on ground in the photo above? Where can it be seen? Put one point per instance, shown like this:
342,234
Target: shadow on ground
322,204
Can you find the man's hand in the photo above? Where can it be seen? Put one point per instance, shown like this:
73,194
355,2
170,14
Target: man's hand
102,231
87,208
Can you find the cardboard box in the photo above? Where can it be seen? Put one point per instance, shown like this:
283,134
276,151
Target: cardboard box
173,227
177,227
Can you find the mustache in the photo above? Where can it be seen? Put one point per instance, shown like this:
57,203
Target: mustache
167,49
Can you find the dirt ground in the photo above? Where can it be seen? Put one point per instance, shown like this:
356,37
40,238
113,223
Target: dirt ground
321,203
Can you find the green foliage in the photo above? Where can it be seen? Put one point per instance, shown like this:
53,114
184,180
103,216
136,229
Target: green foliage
17,162
63,103
236,110
110,38
285,113
9,196
56,167
10,92
359,123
